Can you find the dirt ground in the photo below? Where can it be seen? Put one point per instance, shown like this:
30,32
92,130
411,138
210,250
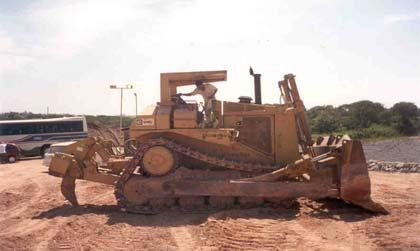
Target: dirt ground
34,216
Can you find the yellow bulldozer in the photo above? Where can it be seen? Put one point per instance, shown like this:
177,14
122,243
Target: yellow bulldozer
251,154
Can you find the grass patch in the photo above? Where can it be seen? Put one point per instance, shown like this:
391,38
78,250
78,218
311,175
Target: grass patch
375,132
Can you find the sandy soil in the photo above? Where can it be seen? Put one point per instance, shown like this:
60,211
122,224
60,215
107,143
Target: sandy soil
34,216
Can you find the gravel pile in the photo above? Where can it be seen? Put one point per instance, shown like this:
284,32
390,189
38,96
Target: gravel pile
394,155
396,150
388,166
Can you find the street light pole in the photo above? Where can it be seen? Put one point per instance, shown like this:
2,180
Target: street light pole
135,95
121,101
121,107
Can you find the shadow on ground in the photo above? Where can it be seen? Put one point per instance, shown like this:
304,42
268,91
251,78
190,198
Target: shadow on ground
324,209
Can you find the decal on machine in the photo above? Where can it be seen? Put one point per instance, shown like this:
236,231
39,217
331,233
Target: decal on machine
146,122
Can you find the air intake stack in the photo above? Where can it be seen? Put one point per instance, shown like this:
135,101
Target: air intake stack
257,85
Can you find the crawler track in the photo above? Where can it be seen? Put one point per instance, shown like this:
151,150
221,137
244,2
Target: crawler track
195,202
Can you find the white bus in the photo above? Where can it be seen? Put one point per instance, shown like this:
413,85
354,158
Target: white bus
34,136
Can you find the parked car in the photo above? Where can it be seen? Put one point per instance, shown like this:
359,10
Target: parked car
58,147
9,152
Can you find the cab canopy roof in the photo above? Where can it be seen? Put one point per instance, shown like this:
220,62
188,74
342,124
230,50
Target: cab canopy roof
170,81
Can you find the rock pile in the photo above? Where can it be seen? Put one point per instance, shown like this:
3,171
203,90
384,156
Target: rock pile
388,166
405,150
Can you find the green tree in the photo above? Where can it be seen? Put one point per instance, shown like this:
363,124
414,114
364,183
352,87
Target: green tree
364,113
324,119
12,116
406,117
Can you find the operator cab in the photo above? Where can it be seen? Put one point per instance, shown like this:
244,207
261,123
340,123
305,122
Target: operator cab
186,114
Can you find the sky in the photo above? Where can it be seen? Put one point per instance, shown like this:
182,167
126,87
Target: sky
64,54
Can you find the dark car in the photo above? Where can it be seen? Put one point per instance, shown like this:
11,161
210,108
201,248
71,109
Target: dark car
9,152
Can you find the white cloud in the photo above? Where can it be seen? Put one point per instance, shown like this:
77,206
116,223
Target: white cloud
12,58
66,28
390,19
58,31
66,53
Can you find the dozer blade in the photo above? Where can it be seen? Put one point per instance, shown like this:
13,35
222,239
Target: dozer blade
355,181
68,186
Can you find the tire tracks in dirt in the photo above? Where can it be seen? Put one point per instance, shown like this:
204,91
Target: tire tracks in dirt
246,230
31,194
250,231
183,238
93,232
34,216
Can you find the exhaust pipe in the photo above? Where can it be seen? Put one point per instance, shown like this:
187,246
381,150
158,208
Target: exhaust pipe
257,85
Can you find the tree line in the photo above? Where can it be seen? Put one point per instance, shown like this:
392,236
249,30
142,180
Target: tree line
366,119
362,119
111,121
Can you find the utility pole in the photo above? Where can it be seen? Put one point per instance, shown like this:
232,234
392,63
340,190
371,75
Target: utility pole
135,95
122,87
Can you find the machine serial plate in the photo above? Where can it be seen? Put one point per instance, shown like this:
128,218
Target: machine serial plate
146,122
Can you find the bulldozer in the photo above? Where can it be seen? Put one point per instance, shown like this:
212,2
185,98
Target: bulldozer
251,154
